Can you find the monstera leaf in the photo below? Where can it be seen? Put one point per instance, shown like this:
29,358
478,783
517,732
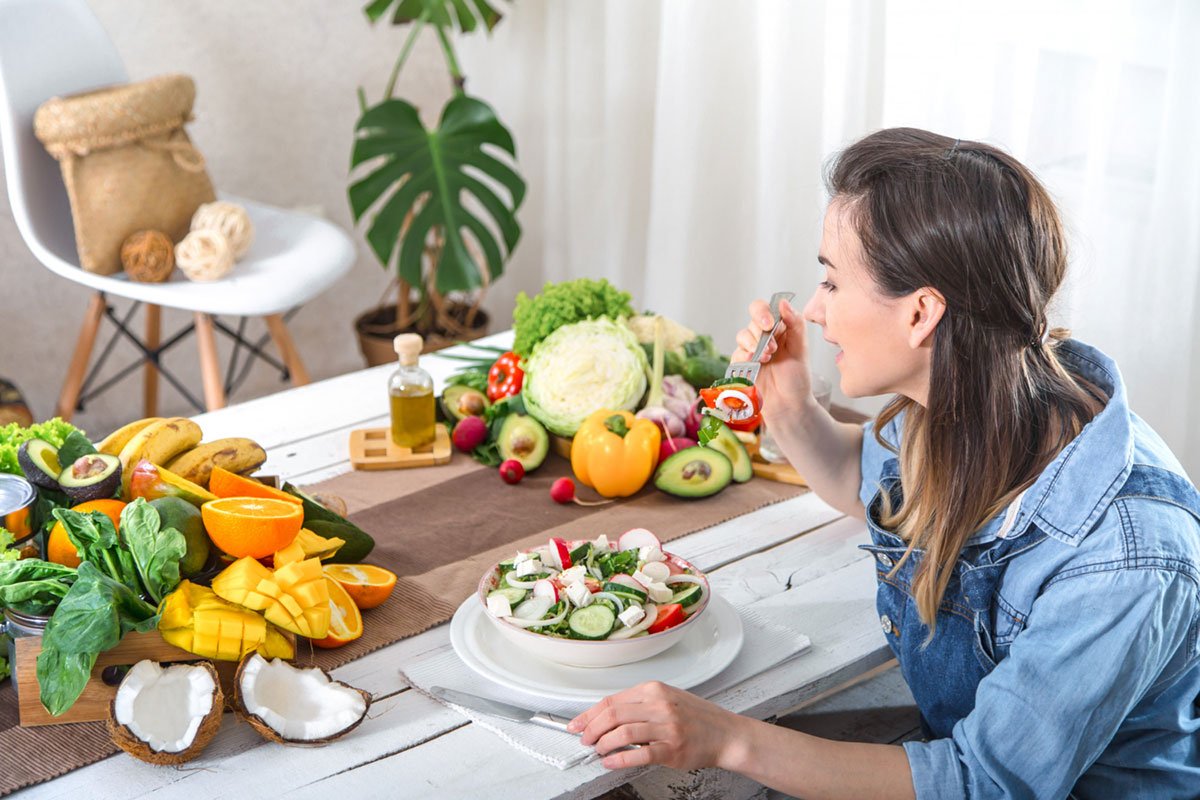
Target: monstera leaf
432,174
466,15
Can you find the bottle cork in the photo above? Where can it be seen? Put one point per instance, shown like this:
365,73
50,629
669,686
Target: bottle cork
408,347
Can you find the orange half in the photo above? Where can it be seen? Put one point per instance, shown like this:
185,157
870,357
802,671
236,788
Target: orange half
367,584
251,526
224,483
345,621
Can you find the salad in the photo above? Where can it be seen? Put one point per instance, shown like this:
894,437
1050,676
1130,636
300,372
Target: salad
596,589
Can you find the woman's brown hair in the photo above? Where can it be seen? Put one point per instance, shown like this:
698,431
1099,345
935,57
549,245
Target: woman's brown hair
973,223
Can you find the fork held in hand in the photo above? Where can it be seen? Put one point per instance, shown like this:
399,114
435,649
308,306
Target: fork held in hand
749,369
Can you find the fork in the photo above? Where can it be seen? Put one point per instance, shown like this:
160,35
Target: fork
749,369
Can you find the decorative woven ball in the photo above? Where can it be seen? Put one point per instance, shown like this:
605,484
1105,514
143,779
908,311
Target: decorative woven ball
228,218
204,255
148,256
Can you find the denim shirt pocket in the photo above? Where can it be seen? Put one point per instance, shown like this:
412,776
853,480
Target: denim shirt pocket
1007,622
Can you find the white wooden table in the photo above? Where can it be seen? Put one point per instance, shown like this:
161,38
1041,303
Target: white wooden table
799,555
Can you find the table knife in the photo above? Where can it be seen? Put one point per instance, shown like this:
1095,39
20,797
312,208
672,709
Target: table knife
495,708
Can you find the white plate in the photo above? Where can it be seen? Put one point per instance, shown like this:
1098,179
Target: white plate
710,646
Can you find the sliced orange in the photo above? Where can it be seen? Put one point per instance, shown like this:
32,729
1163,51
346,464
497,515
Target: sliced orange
251,526
59,548
345,622
224,483
367,584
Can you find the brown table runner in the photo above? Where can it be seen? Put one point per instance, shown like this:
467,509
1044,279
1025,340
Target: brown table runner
438,528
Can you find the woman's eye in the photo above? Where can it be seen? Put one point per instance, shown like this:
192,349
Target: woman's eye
827,286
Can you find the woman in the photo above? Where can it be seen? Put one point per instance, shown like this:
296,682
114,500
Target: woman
1037,546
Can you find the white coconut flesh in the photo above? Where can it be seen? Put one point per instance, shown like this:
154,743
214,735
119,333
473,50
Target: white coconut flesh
164,707
299,704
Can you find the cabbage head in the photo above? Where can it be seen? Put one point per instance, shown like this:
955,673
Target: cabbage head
581,368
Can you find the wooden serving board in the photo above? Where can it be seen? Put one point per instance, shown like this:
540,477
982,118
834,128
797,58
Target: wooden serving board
93,703
373,448
783,473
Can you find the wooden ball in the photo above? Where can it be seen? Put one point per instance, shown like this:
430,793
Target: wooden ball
148,256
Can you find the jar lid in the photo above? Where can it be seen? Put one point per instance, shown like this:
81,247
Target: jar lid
15,493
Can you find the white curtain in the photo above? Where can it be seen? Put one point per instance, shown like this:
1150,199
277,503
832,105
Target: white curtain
676,148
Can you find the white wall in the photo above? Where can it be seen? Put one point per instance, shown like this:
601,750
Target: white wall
275,112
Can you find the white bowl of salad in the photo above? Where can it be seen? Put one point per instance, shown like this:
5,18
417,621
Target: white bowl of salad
594,603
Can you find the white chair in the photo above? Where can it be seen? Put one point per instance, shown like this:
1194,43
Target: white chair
57,47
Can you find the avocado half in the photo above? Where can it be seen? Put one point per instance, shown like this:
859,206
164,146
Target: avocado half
694,472
39,461
522,437
91,477
459,402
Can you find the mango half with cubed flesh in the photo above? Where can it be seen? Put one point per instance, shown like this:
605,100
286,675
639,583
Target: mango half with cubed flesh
195,619
308,545
293,596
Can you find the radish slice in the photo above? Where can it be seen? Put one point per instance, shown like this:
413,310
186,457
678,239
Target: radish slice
533,609
637,538
536,623
610,597
546,588
675,568
648,620
656,570
626,580
560,554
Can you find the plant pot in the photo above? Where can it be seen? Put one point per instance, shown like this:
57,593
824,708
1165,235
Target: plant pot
376,328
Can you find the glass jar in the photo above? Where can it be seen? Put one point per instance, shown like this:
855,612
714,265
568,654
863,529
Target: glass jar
17,626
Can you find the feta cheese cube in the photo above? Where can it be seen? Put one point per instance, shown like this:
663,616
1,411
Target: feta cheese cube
631,616
498,606
523,557
601,542
649,552
659,592
642,578
575,573
579,595
531,567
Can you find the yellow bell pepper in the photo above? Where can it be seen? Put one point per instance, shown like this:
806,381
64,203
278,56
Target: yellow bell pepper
615,453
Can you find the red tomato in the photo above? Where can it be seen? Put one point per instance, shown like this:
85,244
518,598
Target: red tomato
669,616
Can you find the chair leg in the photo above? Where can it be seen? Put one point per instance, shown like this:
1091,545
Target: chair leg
210,366
150,378
77,371
287,349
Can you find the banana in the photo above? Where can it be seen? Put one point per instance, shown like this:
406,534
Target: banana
234,454
159,443
116,441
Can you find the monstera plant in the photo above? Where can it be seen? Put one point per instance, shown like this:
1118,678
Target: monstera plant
438,204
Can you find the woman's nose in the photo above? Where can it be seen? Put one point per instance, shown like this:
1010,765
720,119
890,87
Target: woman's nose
814,310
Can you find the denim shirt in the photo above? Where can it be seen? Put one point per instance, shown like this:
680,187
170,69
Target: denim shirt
1081,664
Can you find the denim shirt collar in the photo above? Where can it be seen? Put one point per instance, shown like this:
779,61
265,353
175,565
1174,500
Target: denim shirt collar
1076,488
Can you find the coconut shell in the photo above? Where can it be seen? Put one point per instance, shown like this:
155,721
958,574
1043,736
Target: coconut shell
123,738
272,735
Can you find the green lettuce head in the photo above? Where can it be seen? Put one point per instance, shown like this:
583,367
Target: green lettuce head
581,368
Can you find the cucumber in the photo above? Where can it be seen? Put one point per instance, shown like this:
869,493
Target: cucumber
592,622
580,554
625,592
688,595
510,593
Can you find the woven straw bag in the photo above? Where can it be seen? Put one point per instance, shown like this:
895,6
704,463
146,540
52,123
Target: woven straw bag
127,163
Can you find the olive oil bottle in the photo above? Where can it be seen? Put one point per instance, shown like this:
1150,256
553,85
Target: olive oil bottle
411,394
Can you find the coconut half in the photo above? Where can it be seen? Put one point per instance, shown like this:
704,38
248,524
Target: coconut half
293,705
166,715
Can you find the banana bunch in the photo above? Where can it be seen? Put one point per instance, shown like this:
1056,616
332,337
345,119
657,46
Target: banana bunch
174,443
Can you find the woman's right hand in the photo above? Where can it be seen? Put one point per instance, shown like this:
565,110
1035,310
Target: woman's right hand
784,379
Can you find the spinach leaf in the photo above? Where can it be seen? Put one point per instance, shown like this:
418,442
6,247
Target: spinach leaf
155,552
95,537
43,518
33,586
74,446
92,618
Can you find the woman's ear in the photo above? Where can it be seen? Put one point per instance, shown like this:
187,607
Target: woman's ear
927,307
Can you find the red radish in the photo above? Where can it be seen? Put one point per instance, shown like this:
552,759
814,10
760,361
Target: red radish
563,491
675,568
559,552
669,616
627,580
637,538
694,420
469,434
670,447
512,471
546,588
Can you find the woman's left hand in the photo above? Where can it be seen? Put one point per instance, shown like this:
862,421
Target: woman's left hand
673,727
